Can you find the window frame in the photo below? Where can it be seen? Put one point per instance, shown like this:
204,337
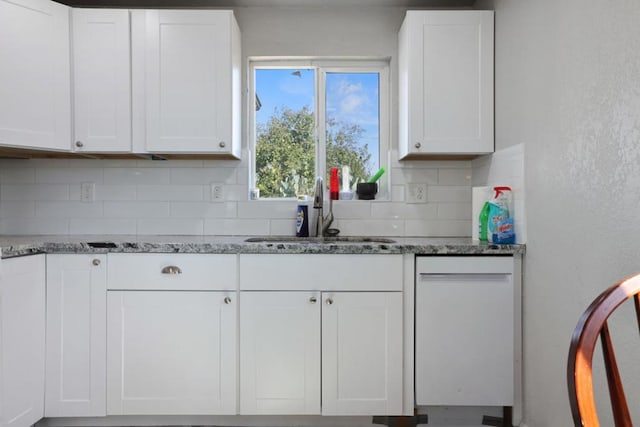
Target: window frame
322,67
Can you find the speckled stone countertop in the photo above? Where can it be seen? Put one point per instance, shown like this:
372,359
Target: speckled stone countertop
12,246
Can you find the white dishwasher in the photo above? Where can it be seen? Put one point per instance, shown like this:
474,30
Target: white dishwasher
465,344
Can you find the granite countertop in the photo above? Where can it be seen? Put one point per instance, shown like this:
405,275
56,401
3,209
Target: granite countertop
12,246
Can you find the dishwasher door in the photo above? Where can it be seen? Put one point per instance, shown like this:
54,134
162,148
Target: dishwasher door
464,331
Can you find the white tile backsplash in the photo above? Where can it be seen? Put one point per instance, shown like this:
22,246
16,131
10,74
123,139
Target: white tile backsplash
181,193
34,192
68,209
137,176
102,226
136,209
42,196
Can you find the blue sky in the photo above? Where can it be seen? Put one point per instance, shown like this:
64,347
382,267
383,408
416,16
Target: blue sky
351,97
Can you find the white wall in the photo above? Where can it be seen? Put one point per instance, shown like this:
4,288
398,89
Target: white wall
568,87
173,197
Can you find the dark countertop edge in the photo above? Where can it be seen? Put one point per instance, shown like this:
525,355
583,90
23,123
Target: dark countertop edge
266,248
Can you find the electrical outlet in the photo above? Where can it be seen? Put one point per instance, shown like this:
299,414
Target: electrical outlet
87,192
217,192
416,193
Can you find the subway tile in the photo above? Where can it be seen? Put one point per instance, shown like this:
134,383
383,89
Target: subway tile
267,209
17,175
68,175
34,192
401,211
170,193
370,227
283,227
136,209
242,227
17,209
203,210
203,176
438,228
13,226
454,176
115,192
136,176
449,194
170,226
397,193
350,208
102,226
406,176
16,163
242,176
68,209
454,211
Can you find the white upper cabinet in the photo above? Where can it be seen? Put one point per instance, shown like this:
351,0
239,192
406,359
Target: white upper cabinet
35,104
186,81
446,83
101,80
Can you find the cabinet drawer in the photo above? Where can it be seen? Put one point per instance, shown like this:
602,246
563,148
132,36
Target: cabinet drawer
298,272
172,271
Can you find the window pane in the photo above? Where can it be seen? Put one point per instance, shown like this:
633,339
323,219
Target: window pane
353,123
285,131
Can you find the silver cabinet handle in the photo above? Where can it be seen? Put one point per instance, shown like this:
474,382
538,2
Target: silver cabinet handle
79,144
418,145
313,300
222,144
227,300
171,269
329,301
96,262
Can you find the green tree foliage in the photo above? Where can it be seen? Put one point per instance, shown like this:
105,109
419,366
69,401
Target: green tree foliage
285,152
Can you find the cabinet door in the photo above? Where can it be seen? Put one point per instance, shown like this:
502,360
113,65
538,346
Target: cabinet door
76,335
171,352
280,353
446,82
190,72
22,329
362,353
465,339
35,111
102,80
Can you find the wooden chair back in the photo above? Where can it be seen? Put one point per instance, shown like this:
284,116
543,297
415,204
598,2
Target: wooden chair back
591,326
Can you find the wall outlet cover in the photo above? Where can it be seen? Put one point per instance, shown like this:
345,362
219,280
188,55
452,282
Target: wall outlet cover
217,192
416,193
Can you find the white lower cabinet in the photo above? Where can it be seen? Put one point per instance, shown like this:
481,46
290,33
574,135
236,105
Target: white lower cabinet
22,336
329,352
171,350
280,353
362,353
76,335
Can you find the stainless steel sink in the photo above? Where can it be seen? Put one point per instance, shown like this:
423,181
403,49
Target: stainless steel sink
345,239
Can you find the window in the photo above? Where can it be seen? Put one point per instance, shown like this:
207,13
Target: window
309,116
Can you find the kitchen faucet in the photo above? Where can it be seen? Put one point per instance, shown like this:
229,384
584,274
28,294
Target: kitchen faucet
322,223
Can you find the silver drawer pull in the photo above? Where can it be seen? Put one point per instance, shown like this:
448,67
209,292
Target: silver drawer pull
313,300
227,300
171,269
96,262
329,301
